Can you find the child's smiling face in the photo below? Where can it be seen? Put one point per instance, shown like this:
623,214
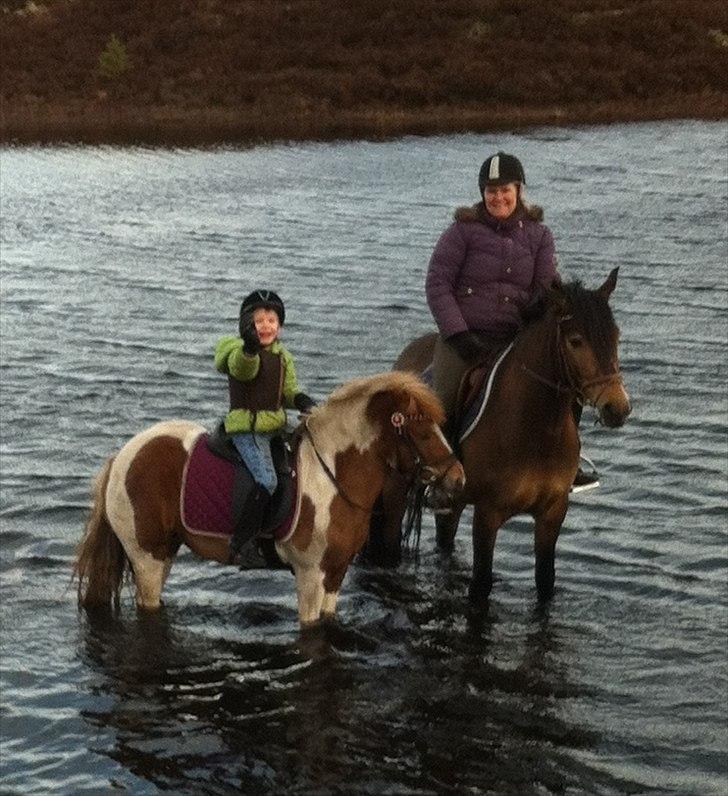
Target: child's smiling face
267,325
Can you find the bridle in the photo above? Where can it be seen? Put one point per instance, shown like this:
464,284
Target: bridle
568,381
426,472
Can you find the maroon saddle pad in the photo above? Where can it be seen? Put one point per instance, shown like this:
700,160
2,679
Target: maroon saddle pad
207,490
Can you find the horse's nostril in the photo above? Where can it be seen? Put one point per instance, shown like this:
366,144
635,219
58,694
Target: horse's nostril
613,416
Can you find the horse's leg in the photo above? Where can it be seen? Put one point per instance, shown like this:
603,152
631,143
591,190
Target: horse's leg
150,574
486,523
546,533
143,507
384,545
328,606
446,526
310,593
150,560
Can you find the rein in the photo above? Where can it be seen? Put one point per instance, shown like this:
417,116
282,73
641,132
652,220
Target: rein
325,467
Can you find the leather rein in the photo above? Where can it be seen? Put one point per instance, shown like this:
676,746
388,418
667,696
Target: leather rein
427,473
570,383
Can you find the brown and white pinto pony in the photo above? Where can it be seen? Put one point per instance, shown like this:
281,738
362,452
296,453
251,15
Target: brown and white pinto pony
367,427
523,453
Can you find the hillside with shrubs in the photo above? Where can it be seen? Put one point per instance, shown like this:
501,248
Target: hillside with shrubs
207,71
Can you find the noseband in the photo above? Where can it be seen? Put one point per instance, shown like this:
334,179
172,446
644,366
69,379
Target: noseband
570,383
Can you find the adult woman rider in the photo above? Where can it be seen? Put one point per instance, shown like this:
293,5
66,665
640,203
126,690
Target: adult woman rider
492,263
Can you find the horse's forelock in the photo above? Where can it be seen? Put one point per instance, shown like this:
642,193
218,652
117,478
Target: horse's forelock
591,313
398,383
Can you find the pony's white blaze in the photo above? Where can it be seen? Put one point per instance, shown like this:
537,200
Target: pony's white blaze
150,573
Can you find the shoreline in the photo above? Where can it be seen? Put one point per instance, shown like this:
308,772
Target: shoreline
102,123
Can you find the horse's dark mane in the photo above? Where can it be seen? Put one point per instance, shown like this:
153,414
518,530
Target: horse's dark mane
592,315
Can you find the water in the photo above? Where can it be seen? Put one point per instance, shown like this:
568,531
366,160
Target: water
121,267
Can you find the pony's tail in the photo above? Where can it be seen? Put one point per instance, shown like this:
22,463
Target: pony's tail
101,562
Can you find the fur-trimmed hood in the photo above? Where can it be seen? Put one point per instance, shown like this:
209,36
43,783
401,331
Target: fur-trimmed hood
477,212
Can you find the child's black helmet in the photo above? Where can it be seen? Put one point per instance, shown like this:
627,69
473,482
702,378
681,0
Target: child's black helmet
261,300
500,169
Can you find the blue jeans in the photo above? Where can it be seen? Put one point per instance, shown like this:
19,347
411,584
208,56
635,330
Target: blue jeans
256,453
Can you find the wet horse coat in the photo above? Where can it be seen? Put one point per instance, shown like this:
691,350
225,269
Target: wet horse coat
365,428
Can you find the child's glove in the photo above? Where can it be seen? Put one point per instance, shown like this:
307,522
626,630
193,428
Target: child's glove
303,403
251,341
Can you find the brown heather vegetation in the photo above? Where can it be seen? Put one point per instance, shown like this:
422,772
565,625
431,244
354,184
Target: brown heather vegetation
206,71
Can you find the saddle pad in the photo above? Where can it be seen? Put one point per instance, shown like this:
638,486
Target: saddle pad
475,408
206,495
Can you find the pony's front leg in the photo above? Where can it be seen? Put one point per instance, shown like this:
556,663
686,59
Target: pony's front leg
384,544
546,534
485,530
311,594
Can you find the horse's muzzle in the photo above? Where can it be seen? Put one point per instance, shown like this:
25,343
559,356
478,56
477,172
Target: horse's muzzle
449,486
615,414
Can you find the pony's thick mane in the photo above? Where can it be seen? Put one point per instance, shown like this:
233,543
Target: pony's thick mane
401,382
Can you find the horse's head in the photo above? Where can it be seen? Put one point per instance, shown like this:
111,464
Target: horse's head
588,341
409,415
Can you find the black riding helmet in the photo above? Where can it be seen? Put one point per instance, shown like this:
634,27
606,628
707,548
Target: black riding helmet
500,169
260,300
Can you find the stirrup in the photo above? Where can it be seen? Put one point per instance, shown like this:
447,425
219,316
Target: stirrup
250,556
584,481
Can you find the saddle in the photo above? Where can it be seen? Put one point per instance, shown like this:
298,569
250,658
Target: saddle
474,391
216,485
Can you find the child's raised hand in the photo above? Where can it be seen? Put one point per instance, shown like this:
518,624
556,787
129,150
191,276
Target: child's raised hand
251,341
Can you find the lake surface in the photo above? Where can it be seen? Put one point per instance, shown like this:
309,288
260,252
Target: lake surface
122,267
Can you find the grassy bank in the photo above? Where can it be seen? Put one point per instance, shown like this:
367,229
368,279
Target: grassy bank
190,72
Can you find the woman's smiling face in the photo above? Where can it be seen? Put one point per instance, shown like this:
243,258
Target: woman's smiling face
500,200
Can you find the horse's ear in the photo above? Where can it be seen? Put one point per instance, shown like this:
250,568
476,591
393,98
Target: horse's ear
608,287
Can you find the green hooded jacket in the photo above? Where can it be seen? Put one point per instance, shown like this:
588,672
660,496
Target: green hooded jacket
230,359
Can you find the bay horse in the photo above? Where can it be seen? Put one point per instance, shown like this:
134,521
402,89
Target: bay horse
367,426
523,452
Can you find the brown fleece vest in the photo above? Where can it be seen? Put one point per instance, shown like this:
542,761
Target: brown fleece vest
265,391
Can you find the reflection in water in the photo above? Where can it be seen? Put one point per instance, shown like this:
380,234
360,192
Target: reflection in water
194,712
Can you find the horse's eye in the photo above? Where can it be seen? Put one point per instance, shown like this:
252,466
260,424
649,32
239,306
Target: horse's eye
575,341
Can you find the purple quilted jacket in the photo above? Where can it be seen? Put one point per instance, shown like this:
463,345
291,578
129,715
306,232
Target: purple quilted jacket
483,272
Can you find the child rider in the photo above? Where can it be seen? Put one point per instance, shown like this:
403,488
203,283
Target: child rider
261,381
